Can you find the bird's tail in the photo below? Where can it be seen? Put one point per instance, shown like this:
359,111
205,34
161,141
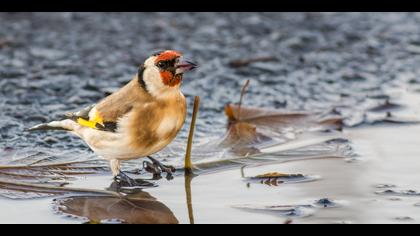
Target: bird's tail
54,125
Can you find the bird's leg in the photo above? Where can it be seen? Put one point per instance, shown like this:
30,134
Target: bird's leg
156,168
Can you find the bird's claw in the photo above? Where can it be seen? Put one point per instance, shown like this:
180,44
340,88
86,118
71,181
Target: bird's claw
124,180
156,168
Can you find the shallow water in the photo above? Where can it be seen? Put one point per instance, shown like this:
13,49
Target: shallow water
225,196
363,67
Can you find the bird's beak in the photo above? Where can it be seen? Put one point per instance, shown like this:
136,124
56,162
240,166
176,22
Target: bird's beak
184,66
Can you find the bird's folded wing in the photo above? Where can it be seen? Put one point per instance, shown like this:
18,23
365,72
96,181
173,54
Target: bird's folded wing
90,117
106,114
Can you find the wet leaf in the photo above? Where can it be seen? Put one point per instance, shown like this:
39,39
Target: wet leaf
275,178
259,125
273,175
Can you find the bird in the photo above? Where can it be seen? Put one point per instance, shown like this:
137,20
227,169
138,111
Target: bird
136,121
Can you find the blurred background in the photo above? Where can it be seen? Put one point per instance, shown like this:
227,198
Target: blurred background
52,63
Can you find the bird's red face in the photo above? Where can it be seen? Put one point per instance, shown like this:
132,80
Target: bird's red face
172,67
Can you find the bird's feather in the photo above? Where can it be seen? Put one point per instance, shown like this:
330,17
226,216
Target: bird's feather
118,104
106,114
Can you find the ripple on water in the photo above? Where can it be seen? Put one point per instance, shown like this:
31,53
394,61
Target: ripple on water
299,210
385,186
406,193
281,210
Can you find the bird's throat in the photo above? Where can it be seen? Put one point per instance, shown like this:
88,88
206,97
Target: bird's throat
169,79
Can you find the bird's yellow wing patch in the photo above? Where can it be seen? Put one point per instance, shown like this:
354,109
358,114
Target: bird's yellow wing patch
95,122
86,123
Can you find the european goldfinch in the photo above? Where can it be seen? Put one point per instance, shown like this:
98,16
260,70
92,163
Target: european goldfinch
138,120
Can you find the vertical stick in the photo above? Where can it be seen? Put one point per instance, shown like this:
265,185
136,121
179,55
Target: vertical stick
243,90
188,163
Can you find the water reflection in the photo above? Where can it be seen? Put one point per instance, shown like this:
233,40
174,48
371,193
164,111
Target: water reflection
137,207
188,179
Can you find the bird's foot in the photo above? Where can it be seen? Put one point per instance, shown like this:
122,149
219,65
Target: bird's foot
156,168
126,181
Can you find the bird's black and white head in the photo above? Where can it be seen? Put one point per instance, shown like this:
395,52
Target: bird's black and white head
163,72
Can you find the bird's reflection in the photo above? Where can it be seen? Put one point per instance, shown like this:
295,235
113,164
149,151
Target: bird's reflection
136,207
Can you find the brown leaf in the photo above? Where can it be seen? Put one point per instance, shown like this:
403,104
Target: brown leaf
257,124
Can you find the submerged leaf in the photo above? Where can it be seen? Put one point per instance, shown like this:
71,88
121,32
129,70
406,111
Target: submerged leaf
43,175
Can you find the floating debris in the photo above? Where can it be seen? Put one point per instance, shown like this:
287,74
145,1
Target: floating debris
404,193
325,202
275,178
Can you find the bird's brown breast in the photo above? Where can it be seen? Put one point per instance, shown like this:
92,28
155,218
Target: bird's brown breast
154,125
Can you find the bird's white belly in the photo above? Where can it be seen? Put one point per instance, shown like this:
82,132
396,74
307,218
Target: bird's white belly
118,145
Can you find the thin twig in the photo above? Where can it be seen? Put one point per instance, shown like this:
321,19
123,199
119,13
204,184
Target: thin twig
243,90
188,163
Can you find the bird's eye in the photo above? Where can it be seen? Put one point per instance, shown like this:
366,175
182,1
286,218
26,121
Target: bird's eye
161,64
